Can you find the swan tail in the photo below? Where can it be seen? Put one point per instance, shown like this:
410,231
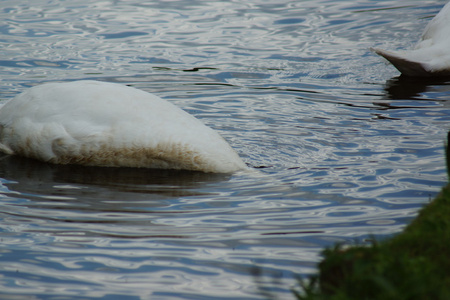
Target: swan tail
5,149
406,66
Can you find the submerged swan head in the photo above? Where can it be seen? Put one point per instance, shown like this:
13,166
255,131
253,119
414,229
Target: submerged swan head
106,124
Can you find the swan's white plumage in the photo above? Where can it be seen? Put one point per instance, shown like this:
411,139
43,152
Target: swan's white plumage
431,55
107,124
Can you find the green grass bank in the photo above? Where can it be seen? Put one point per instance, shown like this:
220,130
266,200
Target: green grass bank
414,264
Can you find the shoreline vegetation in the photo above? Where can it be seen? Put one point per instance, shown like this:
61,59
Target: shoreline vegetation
414,264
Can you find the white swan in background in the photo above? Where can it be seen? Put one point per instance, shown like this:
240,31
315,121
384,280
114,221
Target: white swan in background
431,55
107,124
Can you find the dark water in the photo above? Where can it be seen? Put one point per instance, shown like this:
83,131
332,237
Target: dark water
349,149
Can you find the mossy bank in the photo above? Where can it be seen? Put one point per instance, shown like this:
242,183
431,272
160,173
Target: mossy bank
412,265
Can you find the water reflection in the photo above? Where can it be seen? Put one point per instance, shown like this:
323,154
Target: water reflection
28,176
290,84
403,87
70,200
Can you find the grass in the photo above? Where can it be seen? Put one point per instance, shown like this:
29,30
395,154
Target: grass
412,265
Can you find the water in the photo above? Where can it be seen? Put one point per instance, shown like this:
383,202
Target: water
345,149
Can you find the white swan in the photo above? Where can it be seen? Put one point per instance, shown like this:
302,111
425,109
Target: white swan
431,55
106,124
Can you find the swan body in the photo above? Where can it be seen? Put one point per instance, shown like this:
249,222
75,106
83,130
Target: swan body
431,55
106,124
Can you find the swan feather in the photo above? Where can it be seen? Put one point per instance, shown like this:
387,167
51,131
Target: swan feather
106,124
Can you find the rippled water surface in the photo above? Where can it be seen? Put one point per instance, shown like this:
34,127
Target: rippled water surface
343,148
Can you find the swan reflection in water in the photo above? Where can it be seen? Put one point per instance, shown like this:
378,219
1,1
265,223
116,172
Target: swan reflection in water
28,176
